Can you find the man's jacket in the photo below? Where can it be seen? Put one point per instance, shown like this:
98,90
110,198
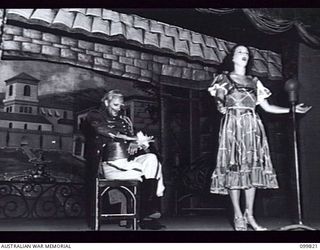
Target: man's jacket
110,149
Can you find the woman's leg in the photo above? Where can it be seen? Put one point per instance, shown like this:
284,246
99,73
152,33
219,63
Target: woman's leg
250,195
239,221
235,199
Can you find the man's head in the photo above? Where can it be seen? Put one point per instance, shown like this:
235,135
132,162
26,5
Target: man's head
113,100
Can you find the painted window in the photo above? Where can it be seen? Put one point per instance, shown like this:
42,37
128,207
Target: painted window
10,90
26,90
25,126
10,124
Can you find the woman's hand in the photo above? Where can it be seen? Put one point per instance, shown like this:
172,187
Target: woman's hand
301,108
212,90
221,108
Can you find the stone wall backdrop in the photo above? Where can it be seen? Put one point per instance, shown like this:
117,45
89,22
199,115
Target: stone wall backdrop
127,63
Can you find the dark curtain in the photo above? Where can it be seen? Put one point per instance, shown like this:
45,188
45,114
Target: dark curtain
264,22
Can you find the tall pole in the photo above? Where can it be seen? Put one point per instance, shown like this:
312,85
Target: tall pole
291,86
296,161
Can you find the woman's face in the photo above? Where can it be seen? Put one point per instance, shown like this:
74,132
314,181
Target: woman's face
241,56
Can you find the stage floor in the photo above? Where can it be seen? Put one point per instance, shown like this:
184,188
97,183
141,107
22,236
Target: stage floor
182,223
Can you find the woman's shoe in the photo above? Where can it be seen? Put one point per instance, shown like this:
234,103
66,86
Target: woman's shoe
240,224
252,222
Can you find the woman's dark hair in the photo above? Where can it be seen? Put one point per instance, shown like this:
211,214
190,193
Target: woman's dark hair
227,64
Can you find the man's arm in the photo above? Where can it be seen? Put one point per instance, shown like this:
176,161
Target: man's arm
122,136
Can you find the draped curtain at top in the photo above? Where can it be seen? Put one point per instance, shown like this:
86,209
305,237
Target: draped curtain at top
271,25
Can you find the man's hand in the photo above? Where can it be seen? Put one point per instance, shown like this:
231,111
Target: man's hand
133,148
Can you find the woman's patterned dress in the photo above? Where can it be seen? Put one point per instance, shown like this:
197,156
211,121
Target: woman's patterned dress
243,159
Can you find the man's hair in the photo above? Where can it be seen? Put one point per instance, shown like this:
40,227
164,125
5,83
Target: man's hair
111,94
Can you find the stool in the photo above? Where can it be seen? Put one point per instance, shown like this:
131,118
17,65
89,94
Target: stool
129,187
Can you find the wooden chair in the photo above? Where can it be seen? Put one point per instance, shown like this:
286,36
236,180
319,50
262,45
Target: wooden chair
129,188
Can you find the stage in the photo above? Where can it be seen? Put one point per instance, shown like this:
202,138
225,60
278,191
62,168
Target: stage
181,223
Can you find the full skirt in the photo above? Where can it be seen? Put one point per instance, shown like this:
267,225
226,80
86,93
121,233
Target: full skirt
243,159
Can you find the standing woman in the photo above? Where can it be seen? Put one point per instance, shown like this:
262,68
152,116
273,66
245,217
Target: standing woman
243,160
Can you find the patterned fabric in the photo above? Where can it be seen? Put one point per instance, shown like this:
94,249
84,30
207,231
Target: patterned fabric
243,159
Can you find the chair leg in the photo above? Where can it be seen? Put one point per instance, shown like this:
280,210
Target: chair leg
133,203
97,204
136,208
133,199
135,224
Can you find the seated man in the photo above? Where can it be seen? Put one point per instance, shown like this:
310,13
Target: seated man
119,147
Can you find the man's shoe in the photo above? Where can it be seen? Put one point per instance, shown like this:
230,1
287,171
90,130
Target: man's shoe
125,223
151,224
154,215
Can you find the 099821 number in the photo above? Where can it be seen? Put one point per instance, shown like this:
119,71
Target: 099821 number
308,246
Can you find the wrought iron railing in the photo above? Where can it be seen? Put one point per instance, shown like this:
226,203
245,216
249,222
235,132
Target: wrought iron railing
33,199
